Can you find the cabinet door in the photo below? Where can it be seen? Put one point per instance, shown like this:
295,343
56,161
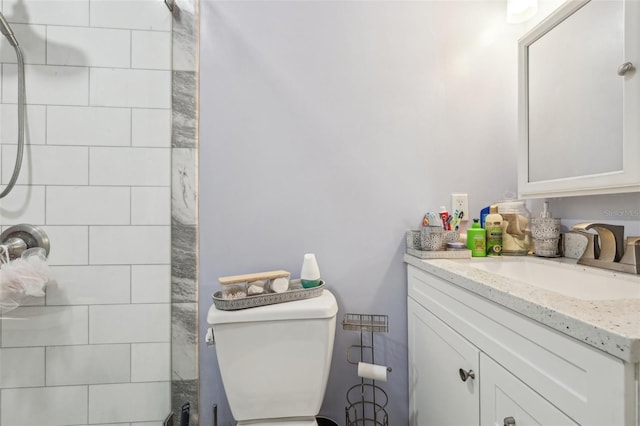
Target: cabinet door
438,358
508,401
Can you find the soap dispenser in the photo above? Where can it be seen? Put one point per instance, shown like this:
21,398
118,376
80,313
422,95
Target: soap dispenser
546,233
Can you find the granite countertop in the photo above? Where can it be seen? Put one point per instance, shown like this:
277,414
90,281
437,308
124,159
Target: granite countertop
611,325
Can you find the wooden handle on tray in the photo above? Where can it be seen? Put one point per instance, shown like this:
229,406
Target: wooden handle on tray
234,279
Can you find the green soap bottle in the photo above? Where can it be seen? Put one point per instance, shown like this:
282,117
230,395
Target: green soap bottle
477,239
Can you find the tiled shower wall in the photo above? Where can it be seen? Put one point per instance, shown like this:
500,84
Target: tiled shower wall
96,177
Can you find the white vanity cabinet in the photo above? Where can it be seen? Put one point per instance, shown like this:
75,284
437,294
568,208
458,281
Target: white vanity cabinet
518,371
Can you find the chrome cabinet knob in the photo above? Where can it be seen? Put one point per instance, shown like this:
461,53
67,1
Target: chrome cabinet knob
509,421
625,68
464,375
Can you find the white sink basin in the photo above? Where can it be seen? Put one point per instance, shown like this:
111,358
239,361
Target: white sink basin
580,282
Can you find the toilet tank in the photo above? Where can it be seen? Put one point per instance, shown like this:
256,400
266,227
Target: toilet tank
275,360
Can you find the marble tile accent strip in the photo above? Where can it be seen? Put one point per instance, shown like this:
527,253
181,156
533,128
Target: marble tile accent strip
184,36
184,109
185,391
184,339
183,264
184,204
183,186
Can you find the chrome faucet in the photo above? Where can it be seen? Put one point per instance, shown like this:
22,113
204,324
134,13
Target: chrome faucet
607,248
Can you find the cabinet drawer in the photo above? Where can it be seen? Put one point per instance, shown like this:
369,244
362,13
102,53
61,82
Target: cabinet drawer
586,384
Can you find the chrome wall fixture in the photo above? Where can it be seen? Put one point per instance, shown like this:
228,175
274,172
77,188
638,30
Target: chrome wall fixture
6,30
19,238
171,4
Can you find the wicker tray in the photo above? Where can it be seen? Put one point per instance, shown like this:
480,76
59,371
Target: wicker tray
266,299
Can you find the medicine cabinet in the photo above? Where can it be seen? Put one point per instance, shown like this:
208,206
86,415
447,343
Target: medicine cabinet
579,101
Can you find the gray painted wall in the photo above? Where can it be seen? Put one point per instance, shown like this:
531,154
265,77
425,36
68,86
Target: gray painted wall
619,209
330,127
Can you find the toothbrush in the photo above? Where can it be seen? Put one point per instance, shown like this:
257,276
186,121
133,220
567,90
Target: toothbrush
453,220
457,217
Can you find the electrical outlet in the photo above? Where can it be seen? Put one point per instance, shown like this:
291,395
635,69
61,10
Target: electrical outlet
460,202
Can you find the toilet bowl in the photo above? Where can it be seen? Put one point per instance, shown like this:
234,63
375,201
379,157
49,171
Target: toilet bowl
275,360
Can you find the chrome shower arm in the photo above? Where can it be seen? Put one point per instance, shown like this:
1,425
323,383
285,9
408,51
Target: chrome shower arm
5,29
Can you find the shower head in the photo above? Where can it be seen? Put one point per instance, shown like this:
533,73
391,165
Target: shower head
5,29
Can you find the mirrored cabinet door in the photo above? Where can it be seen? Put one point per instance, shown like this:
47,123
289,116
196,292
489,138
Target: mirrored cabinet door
579,102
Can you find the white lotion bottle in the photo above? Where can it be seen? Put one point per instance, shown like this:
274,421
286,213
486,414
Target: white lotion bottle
310,273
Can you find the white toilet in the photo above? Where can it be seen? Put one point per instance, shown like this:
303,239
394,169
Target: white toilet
275,359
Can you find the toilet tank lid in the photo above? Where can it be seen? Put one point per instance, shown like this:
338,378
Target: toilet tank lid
323,306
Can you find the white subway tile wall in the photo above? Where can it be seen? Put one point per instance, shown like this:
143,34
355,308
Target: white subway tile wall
144,48
37,124
151,127
129,88
13,360
55,405
93,47
150,362
69,244
88,364
140,323
130,166
96,177
150,284
48,165
150,205
116,245
25,205
127,401
47,84
95,126
32,39
102,205
89,285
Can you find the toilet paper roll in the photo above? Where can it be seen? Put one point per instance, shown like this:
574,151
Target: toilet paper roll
372,371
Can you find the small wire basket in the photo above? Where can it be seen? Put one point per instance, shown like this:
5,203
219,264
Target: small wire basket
367,405
366,323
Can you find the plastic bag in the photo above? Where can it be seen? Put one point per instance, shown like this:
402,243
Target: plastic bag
22,278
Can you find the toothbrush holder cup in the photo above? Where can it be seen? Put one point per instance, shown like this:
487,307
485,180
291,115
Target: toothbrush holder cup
413,239
431,238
